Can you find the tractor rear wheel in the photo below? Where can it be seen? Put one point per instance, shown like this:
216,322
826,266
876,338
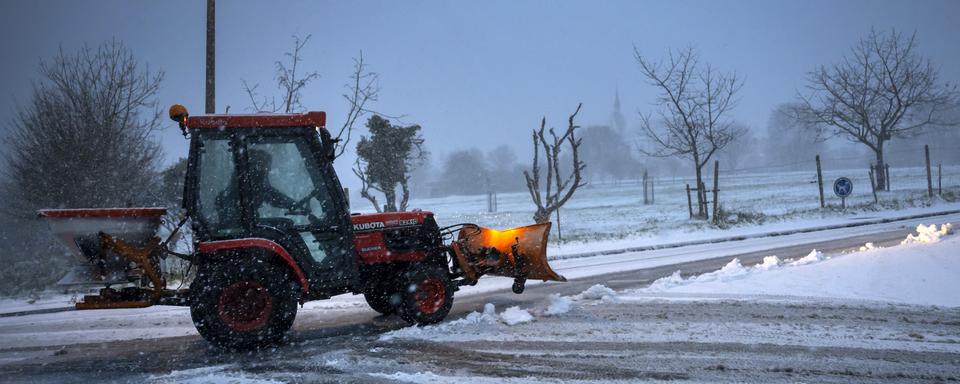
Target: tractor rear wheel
426,295
243,304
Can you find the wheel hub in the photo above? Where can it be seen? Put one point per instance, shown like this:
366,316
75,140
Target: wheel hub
245,306
430,295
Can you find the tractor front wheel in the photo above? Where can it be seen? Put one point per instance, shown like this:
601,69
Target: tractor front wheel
243,304
426,295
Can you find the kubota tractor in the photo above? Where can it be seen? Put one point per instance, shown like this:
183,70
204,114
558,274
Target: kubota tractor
272,229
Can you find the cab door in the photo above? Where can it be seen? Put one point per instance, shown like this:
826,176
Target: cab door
291,190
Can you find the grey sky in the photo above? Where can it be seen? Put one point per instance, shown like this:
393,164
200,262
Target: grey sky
472,73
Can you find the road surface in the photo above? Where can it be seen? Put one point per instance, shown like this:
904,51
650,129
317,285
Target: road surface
753,341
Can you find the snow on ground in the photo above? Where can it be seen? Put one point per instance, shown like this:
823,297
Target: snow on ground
922,270
73,327
161,321
514,315
928,234
923,273
222,374
558,305
614,214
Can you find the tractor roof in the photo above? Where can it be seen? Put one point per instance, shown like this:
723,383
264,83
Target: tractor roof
261,120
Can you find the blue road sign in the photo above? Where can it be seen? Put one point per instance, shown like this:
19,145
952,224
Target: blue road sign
843,187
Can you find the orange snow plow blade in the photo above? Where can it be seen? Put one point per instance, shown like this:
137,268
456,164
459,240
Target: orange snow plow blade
520,253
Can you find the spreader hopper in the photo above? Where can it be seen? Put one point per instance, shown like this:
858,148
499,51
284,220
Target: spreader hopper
118,246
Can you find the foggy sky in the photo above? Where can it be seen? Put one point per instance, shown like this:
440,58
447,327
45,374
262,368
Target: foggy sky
471,73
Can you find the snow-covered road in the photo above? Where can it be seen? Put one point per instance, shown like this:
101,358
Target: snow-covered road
731,335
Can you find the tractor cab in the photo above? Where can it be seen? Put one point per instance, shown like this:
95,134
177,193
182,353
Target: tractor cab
267,182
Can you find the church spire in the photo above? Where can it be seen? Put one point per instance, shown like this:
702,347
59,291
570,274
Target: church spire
616,117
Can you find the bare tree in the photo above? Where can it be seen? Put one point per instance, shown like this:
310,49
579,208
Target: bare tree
86,137
694,103
555,190
290,83
361,88
881,90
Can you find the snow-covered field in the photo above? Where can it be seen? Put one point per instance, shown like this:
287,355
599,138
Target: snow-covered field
615,212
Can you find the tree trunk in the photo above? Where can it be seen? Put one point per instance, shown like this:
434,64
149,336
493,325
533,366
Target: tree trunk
390,195
405,190
881,176
700,191
541,216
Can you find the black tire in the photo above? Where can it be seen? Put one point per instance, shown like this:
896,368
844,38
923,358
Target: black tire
244,303
383,297
426,295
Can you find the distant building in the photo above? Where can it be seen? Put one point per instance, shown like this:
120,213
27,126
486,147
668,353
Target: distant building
616,117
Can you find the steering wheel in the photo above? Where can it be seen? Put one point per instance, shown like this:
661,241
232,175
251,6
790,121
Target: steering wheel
300,207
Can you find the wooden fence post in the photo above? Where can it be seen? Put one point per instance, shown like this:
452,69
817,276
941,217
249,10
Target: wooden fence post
703,201
926,153
689,202
873,185
940,179
820,182
716,186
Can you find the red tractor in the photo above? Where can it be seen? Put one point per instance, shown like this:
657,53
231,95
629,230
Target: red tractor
272,229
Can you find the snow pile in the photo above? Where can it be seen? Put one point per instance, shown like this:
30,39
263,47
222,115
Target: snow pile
769,262
814,256
515,315
558,305
474,323
599,292
664,283
924,275
927,234
734,270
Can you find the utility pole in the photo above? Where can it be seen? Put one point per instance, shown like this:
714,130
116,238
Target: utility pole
211,105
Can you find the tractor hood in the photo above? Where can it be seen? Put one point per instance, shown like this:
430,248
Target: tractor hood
380,221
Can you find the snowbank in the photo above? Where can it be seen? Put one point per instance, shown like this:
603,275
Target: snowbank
475,323
923,270
813,257
927,234
487,323
558,305
599,292
515,315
